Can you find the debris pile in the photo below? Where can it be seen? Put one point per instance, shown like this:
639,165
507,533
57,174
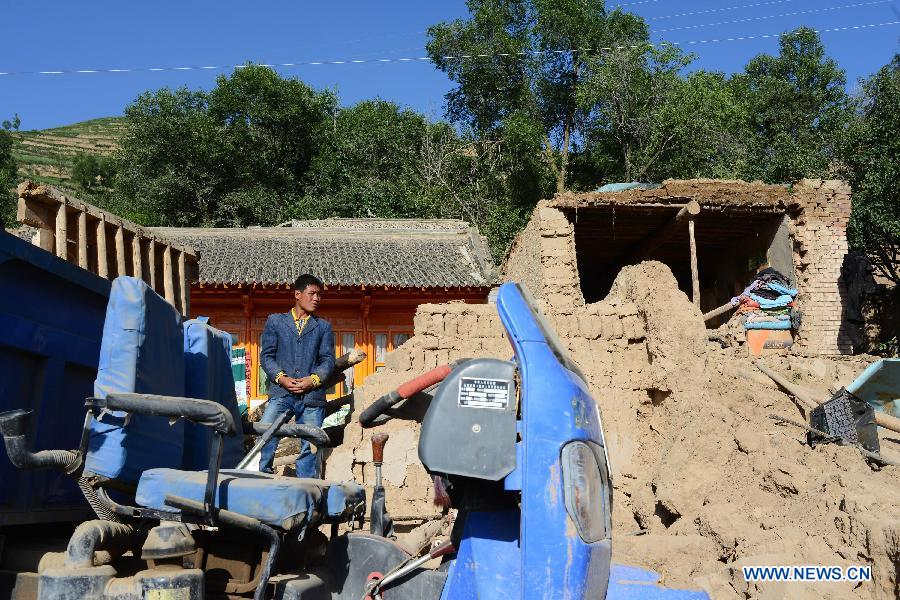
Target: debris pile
711,483
705,482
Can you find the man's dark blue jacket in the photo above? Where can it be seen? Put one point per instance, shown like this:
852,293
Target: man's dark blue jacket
297,355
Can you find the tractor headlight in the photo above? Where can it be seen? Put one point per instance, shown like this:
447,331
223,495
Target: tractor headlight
586,490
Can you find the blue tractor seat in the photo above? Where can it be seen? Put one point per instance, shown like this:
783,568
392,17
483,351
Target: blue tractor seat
147,348
142,351
283,502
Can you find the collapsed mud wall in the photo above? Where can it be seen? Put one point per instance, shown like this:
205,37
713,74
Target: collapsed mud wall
447,332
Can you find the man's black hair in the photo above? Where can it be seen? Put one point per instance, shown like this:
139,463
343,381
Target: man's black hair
307,279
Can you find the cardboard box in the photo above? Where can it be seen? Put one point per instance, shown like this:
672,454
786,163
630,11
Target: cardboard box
761,342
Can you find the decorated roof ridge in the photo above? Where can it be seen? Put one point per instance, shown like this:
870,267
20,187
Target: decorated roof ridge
330,227
370,224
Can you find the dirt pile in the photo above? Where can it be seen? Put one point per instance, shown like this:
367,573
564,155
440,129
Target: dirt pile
704,481
712,483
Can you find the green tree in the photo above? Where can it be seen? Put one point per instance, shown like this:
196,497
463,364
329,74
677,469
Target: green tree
368,166
92,173
384,161
797,107
12,125
871,152
527,59
8,169
625,92
648,122
491,183
234,156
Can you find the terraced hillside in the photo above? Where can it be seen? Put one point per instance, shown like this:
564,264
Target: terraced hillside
47,155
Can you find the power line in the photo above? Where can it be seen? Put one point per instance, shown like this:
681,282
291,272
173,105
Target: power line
716,10
454,57
764,17
775,35
636,3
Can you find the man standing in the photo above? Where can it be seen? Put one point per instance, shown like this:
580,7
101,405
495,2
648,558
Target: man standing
297,353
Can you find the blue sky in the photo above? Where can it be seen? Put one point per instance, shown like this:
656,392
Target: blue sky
58,35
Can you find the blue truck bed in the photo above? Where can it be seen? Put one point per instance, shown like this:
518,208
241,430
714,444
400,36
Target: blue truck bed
51,323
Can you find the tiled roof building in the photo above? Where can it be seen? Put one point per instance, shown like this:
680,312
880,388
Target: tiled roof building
376,272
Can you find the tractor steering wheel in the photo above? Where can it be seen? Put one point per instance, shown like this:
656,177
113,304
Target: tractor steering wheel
370,416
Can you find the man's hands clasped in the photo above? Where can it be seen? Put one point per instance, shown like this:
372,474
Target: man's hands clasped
295,385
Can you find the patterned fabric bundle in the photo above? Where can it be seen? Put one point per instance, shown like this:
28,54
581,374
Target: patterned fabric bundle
239,372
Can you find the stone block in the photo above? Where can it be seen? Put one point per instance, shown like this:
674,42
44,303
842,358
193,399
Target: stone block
451,326
437,324
429,342
627,309
633,328
398,360
443,357
555,247
587,326
417,361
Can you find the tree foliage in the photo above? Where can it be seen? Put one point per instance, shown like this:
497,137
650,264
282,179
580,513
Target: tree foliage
797,108
549,95
527,59
93,173
367,166
8,169
230,157
647,121
871,152
12,124
259,149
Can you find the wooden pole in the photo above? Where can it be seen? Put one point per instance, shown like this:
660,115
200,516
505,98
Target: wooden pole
61,231
43,239
168,276
151,263
184,284
137,257
120,252
82,240
719,311
102,264
695,275
656,239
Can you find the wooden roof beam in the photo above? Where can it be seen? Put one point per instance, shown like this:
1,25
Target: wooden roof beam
642,249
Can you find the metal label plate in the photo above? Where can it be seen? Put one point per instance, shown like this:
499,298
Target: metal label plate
483,393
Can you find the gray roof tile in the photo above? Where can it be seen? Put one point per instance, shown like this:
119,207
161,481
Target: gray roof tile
406,253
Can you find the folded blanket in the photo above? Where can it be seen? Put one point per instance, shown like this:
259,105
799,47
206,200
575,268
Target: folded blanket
766,318
779,302
777,287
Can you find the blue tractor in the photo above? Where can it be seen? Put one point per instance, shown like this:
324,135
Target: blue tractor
516,447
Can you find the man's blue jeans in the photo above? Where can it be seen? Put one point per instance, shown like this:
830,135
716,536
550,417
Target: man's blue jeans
307,465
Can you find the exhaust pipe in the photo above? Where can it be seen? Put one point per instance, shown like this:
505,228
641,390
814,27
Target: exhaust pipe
13,425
